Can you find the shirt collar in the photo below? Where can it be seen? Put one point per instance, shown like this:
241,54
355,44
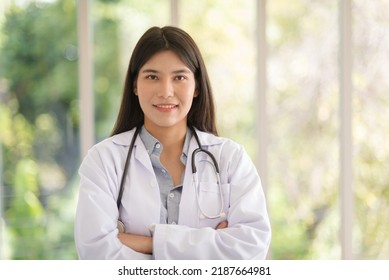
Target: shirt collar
206,139
185,148
151,143
148,140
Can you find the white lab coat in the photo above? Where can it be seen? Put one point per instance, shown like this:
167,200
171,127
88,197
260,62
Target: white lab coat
248,234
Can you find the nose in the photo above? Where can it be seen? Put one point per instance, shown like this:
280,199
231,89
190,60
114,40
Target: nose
165,89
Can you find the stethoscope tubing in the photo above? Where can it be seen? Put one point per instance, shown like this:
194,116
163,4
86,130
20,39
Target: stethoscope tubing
194,174
126,165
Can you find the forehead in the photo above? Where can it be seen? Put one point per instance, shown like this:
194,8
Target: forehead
165,59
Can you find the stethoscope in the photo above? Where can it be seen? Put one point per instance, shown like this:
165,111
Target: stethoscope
200,149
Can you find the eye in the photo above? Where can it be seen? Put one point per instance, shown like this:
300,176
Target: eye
151,77
180,78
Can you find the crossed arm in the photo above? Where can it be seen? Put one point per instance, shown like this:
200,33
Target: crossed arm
144,244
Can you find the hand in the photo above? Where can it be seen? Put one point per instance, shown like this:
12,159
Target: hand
139,243
221,225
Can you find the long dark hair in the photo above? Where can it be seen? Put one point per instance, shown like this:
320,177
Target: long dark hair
156,39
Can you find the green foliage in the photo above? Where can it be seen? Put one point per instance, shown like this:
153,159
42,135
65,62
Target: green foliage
25,215
289,243
107,78
35,59
38,122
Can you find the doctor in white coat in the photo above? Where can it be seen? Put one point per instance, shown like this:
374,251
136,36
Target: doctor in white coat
178,202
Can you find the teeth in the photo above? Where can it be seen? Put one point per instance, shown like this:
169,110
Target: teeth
166,106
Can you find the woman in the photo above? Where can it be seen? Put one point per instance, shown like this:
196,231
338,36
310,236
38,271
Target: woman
165,211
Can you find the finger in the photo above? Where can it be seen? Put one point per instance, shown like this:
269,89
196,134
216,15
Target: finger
222,225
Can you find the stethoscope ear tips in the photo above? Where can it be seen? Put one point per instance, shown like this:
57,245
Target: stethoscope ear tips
222,215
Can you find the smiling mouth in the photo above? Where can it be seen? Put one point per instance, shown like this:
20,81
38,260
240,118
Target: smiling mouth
166,106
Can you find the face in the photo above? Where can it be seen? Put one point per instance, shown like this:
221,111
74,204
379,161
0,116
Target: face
165,87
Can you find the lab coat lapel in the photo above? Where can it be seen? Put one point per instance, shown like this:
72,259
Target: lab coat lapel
139,153
142,193
189,211
142,157
188,214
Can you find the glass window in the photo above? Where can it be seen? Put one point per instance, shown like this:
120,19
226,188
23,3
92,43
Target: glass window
371,129
303,111
39,128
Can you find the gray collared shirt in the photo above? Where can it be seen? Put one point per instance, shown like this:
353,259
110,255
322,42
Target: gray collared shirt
170,194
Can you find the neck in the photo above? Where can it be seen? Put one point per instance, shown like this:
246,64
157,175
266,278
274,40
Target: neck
170,137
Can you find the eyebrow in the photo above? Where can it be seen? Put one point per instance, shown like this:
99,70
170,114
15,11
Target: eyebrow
179,71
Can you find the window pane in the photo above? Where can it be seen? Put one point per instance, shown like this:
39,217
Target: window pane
39,129
303,111
371,129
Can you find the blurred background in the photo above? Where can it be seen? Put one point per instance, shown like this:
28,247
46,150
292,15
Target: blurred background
277,72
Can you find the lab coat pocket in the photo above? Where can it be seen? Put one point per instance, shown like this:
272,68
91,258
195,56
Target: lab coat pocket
213,205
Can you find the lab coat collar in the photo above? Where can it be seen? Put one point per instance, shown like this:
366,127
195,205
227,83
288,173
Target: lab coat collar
140,152
125,138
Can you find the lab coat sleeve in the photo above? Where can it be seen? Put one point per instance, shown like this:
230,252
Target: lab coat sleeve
96,216
248,234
